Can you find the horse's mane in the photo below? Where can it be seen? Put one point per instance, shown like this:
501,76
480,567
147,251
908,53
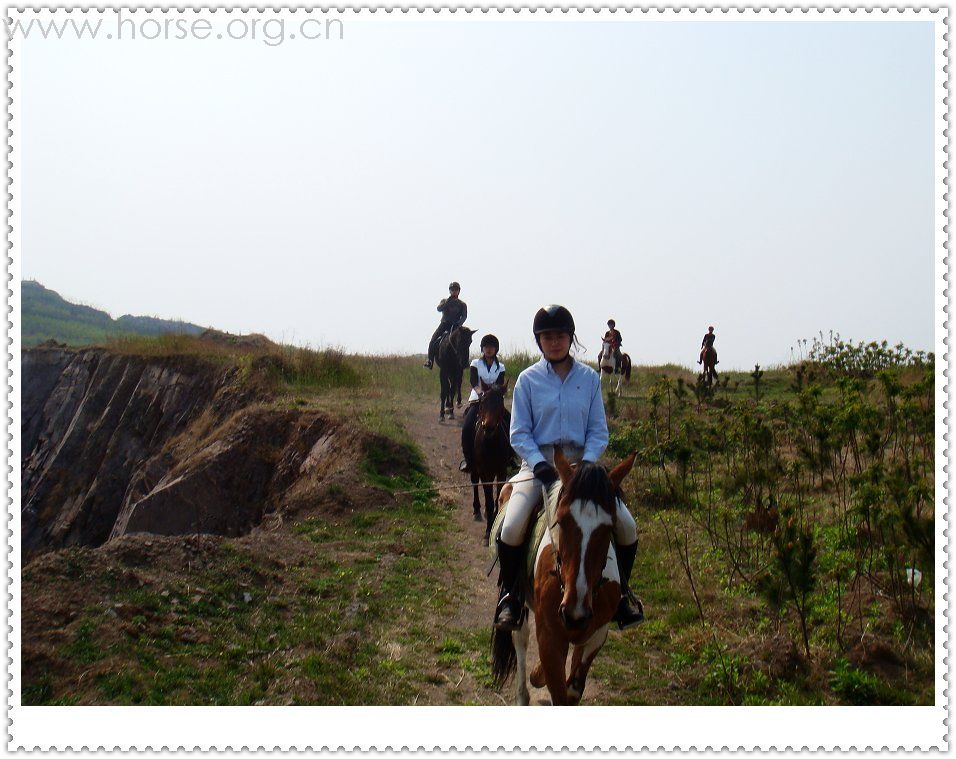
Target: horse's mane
591,483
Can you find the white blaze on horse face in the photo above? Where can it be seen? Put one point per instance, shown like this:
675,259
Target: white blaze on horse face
589,517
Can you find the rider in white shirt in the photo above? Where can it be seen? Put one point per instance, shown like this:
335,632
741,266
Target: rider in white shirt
485,369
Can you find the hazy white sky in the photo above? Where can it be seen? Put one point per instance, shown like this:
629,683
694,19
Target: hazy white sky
773,179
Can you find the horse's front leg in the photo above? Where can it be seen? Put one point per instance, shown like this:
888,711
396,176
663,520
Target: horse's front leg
553,652
476,500
489,510
520,638
441,393
581,659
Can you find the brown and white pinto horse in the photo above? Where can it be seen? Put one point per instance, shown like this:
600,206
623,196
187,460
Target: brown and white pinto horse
492,453
573,601
608,363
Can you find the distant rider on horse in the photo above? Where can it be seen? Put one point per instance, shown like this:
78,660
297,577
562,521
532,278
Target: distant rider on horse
556,401
453,314
613,336
485,369
708,342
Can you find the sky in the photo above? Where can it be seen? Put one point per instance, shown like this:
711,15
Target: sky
772,179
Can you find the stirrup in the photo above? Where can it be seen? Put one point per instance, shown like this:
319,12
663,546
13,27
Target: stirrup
630,611
510,621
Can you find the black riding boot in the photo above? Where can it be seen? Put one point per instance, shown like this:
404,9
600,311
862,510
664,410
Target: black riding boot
630,611
508,613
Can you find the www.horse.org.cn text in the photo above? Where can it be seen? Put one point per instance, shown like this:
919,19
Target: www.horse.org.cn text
115,27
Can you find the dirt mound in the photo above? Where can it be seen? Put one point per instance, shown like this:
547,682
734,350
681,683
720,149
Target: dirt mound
121,444
255,341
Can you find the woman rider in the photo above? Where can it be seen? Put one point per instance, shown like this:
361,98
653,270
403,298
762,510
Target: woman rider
556,401
485,369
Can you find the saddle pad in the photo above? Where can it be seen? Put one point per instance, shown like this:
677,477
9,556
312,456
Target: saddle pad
532,540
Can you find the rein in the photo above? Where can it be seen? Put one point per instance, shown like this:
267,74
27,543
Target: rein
550,522
459,487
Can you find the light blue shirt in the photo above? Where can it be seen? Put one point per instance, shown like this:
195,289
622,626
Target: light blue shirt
547,411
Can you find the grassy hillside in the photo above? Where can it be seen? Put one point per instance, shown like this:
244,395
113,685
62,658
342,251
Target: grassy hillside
45,315
786,555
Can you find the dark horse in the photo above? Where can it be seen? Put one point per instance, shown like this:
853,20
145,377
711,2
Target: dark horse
493,454
710,366
452,360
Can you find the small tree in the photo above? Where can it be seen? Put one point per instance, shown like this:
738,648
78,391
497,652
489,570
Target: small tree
757,373
794,574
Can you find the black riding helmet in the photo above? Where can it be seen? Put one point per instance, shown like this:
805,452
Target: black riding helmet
611,323
552,318
454,286
490,340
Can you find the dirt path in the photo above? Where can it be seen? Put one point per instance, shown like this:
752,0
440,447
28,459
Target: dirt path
475,593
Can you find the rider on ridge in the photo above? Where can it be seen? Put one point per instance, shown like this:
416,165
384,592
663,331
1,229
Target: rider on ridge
453,314
556,401
708,342
613,336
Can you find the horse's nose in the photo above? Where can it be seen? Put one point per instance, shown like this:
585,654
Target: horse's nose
572,622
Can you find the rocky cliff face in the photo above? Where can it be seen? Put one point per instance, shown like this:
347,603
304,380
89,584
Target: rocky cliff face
115,444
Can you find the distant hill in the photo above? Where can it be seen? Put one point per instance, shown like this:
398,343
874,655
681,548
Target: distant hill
45,315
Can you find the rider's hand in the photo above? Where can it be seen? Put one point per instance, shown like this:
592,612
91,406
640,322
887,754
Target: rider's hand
546,473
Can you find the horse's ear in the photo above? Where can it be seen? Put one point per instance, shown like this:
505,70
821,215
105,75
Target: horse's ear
621,471
562,465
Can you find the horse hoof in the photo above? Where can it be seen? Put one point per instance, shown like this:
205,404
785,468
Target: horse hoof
477,516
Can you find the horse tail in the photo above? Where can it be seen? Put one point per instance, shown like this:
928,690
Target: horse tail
504,658
627,368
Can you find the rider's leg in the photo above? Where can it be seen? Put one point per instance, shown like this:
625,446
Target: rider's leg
433,345
629,610
468,437
525,497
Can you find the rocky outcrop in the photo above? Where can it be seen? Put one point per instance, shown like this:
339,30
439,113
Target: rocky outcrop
115,444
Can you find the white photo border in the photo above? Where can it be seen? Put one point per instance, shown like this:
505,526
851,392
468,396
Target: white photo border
448,728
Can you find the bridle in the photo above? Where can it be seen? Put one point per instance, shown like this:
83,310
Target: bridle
552,523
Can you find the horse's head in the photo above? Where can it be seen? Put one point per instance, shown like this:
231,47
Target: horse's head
461,339
585,515
491,407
